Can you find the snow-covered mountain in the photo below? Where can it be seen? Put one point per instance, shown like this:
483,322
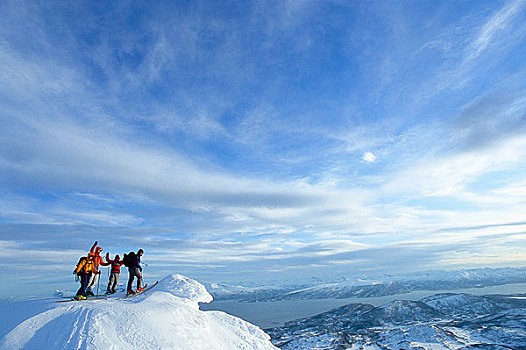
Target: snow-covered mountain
364,286
442,321
165,317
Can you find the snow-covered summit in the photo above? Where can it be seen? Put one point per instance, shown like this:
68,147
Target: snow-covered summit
184,288
166,317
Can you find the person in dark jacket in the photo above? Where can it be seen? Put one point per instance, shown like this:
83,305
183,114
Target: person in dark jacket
115,273
135,270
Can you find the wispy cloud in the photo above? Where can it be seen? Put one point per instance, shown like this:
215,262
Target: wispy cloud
496,25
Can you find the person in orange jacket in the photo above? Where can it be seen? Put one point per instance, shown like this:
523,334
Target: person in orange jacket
115,272
84,270
97,260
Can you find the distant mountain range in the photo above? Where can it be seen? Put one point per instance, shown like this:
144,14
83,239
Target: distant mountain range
362,287
441,321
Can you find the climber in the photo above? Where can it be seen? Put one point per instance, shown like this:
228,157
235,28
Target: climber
115,272
135,270
85,268
97,260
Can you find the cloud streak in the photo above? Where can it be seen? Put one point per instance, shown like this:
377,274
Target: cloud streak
497,24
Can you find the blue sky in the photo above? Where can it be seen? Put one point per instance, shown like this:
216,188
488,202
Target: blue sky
262,140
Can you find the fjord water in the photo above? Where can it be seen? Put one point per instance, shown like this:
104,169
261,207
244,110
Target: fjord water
270,314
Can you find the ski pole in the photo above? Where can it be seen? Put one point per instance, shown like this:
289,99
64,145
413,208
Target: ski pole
98,283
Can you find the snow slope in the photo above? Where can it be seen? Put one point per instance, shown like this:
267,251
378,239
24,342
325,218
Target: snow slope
166,317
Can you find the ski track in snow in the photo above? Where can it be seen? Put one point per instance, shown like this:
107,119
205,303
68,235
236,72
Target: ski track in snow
166,317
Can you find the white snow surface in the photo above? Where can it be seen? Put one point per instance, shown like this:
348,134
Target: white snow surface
165,317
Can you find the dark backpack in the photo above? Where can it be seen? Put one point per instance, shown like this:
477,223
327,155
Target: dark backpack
128,259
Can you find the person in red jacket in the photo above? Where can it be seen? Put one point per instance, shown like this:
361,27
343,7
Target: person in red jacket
115,272
97,260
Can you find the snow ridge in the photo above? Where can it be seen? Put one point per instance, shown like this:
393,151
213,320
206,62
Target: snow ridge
166,317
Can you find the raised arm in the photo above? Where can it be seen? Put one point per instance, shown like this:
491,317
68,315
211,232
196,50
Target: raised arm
92,251
108,260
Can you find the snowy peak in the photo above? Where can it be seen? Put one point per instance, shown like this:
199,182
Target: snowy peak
404,311
396,312
165,317
461,304
184,288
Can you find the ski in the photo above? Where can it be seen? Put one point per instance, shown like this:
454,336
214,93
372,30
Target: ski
108,297
87,296
145,289
88,299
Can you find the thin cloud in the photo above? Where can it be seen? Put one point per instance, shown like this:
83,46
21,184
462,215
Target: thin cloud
498,23
497,115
